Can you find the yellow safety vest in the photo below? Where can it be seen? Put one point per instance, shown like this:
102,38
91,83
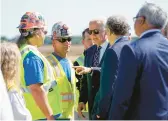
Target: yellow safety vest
80,60
67,89
49,85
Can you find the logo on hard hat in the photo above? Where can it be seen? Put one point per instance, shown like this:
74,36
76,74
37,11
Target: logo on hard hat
65,26
64,30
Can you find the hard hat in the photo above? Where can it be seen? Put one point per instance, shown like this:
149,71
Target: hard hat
32,20
60,29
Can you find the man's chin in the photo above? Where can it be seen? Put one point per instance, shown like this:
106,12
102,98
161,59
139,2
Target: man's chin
39,44
68,50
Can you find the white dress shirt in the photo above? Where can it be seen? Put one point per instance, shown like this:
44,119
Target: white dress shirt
102,50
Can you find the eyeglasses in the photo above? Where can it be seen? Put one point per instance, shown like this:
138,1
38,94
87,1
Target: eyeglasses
95,31
134,18
62,40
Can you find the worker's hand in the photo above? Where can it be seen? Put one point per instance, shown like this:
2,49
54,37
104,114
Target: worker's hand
82,70
50,118
97,116
81,106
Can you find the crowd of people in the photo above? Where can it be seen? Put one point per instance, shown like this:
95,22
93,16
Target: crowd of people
115,78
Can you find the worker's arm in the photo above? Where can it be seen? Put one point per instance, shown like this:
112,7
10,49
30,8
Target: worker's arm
41,100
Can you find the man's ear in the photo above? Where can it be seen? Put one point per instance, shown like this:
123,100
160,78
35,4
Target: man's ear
83,41
108,30
142,21
52,43
111,33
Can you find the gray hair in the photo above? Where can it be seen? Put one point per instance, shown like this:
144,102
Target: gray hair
154,15
118,25
101,22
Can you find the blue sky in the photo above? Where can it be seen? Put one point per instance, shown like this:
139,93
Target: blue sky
75,13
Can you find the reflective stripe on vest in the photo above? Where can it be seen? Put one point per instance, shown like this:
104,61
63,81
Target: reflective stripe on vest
66,97
57,70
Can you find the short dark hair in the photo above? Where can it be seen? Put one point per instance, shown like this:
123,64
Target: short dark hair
83,33
118,25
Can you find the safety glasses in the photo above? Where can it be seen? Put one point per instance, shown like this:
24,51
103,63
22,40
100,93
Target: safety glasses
62,40
95,31
135,18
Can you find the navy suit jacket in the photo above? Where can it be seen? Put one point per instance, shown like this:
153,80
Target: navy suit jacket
108,75
90,82
141,90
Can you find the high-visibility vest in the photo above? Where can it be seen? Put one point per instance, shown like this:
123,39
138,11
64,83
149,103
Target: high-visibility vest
80,60
67,88
49,85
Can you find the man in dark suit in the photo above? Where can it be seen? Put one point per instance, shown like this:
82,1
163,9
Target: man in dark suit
141,88
117,30
94,57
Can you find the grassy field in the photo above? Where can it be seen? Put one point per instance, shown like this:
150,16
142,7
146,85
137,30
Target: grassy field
75,51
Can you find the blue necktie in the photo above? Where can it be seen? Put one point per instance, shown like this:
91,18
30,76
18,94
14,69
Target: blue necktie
96,57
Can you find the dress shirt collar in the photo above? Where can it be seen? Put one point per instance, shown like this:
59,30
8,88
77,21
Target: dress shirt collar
104,45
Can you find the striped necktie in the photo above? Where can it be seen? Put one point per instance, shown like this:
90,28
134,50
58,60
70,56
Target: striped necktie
96,57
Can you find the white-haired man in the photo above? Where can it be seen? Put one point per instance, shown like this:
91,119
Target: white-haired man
94,57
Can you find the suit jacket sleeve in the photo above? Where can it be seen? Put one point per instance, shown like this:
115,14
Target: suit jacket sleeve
83,97
124,84
77,76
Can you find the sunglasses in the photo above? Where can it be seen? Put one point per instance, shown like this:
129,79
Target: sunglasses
62,40
95,31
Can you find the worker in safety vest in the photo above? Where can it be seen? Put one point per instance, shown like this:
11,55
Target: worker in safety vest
37,79
87,42
64,73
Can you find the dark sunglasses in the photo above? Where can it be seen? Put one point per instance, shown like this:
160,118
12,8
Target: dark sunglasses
95,31
62,40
